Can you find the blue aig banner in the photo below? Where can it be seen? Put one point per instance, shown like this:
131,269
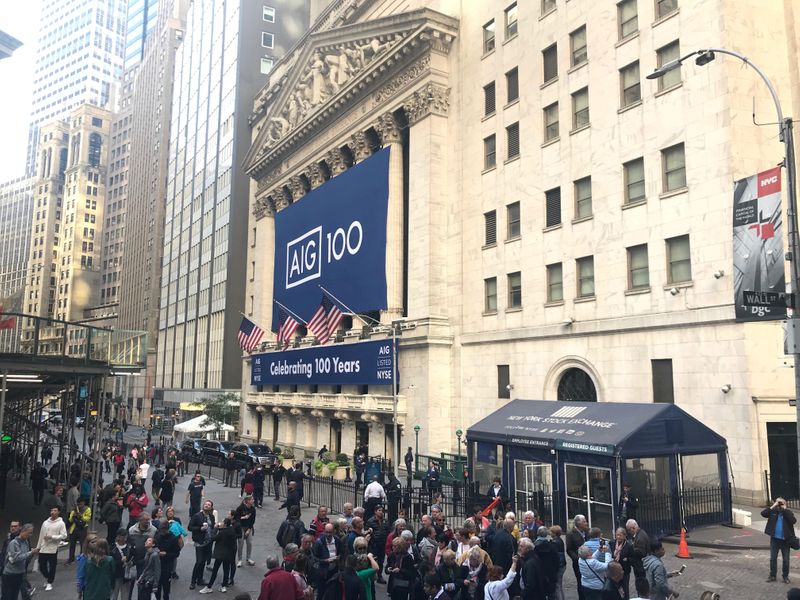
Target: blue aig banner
363,363
335,237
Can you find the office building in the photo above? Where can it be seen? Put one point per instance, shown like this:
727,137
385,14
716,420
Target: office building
142,18
79,57
559,227
219,67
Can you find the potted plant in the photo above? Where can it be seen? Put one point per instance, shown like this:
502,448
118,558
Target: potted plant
318,466
342,463
288,458
277,450
332,466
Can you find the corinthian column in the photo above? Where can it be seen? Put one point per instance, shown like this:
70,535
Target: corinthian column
389,131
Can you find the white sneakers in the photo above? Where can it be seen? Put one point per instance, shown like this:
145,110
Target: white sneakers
48,587
239,564
251,562
206,590
223,589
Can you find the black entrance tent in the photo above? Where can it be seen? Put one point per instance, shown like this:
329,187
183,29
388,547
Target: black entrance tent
566,458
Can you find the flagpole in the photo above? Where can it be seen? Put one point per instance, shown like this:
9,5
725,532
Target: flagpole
250,319
298,319
348,309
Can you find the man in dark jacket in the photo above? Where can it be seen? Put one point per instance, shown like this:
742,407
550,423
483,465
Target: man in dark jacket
292,529
292,497
296,475
230,469
202,527
547,553
613,588
497,490
278,472
575,539
628,504
394,491
328,550
780,529
531,573
379,529
641,547
246,517
504,546
258,485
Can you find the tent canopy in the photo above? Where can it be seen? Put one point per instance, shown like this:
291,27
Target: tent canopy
610,428
196,425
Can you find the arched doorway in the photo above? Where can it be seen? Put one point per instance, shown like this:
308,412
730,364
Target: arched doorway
576,385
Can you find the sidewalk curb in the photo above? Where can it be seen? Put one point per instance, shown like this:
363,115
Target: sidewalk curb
717,545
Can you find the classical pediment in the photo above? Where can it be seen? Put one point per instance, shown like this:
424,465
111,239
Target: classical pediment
333,68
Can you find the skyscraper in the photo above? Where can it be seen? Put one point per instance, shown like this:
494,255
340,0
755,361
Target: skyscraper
79,56
142,18
218,69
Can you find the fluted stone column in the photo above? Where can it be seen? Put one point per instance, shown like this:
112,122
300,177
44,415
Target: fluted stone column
389,131
261,250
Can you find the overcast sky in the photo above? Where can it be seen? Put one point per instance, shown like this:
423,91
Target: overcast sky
20,19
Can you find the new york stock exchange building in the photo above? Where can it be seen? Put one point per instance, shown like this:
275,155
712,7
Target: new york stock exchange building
489,187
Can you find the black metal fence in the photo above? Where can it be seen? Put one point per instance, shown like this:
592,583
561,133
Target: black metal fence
665,514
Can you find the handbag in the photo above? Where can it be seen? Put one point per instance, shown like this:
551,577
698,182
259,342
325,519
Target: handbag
794,543
130,571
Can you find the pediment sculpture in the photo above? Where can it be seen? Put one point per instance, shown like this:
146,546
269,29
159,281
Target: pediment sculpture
327,72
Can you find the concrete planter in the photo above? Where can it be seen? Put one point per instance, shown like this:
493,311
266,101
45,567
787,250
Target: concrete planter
340,474
288,463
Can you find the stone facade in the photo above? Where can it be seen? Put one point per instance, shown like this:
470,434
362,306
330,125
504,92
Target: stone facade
367,76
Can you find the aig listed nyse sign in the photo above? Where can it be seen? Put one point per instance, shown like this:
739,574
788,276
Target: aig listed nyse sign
335,237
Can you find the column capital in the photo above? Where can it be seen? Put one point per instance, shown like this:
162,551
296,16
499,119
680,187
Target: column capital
389,129
431,99
336,161
263,207
315,175
296,187
281,199
359,145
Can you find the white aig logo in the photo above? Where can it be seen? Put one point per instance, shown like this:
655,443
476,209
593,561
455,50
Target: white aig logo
569,412
306,254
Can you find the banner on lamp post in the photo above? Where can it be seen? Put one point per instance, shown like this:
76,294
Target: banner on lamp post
759,282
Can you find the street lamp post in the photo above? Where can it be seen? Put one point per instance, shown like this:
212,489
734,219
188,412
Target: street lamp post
459,433
396,445
705,56
416,446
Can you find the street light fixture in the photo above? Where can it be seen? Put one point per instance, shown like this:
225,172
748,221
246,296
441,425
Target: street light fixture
416,446
705,56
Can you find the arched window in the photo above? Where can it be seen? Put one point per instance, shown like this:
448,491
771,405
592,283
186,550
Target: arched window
576,385
62,162
95,144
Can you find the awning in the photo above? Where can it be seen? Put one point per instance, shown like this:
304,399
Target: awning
196,426
611,428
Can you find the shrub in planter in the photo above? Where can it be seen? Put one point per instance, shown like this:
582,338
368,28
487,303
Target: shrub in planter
327,457
288,453
332,466
343,459
277,450
319,465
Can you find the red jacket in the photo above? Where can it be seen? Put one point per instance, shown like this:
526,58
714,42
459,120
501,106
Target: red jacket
279,584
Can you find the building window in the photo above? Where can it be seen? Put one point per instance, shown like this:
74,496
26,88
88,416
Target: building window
95,148
488,37
638,269
550,62
551,122
673,162
665,7
490,228
628,17
515,290
630,85
663,387
97,122
580,109
512,85
266,65
634,181
269,14
583,198
664,55
490,294
555,283
548,5
585,269
267,40
503,381
511,21
488,99
576,385
513,221
679,263
512,140
552,207
577,40
489,152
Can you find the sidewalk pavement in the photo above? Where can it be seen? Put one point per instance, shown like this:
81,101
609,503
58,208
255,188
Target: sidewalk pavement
729,537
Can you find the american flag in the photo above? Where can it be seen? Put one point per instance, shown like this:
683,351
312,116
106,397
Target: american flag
250,335
325,320
286,328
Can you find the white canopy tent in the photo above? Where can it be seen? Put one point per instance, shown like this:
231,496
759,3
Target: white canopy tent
199,425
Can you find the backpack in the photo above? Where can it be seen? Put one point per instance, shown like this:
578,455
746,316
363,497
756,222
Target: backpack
157,477
289,534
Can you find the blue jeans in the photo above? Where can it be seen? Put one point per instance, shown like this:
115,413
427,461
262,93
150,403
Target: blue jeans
774,546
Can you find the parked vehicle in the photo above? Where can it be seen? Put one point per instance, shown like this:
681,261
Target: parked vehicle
248,455
80,422
195,445
214,452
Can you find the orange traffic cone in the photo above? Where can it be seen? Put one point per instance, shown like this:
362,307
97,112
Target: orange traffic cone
683,547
